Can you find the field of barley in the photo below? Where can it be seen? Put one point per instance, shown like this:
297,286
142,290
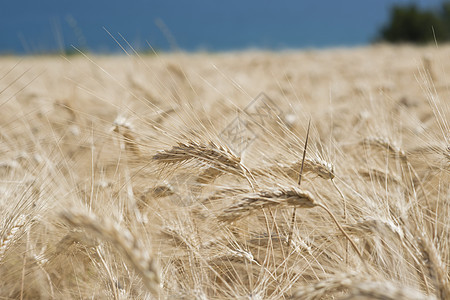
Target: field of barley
238,175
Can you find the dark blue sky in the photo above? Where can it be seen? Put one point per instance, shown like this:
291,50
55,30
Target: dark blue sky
48,25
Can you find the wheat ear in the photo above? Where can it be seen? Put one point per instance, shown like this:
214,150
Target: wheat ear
299,182
11,232
436,268
316,166
213,155
292,197
383,290
344,233
325,287
398,152
122,127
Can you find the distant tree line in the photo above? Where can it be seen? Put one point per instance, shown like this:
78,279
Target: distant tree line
410,24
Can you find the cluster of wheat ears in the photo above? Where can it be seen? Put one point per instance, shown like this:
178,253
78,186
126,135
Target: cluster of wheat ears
118,182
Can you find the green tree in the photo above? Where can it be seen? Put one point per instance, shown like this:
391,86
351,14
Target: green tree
410,24
445,16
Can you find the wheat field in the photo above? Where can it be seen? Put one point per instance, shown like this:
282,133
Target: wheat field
241,175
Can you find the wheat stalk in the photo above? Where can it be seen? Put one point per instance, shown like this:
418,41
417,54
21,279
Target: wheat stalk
211,154
124,128
292,197
383,290
379,175
11,232
317,166
436,268
216,157
124,240
327,287
374,226
384,143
